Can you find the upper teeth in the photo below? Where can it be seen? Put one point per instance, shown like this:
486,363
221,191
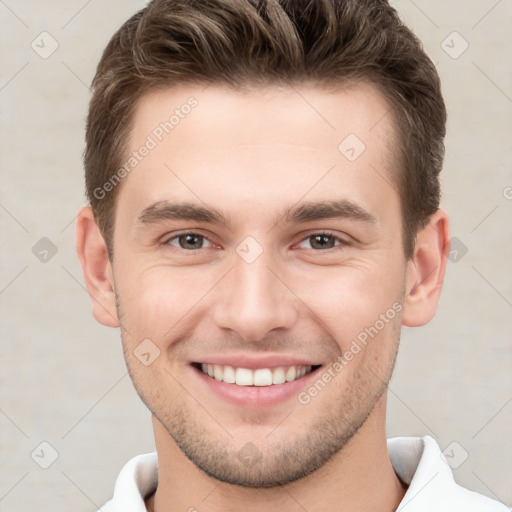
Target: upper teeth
259,377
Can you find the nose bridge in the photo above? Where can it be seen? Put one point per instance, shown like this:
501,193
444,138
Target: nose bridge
253,300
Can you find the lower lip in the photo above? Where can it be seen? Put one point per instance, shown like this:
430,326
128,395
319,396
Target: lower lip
256,396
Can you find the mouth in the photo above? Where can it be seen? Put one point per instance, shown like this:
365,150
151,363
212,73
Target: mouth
258,377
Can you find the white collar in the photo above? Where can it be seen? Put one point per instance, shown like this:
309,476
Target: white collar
418,462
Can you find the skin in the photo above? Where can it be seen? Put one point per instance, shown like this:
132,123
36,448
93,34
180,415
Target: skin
251,155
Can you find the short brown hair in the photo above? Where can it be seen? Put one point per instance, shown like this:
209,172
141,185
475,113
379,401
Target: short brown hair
244,43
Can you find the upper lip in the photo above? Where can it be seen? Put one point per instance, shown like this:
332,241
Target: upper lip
253,362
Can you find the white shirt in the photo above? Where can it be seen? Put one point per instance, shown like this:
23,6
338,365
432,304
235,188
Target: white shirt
418,461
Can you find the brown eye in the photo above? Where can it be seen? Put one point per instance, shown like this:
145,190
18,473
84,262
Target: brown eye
321,241
189,241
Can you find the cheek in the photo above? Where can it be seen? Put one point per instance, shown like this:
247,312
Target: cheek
164,303
157,300
348,300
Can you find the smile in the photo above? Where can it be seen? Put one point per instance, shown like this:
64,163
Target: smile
256,377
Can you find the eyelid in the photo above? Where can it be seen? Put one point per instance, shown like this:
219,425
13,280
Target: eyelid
342,241
166,240
170,237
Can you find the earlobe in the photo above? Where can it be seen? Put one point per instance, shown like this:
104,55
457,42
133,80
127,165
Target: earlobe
425,271
93,256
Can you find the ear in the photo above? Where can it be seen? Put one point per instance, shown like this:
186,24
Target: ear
425,271
93,256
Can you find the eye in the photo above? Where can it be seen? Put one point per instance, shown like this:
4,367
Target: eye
189,241
321,241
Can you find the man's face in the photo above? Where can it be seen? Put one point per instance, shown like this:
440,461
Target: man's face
249,237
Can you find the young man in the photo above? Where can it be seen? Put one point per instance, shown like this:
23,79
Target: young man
263,181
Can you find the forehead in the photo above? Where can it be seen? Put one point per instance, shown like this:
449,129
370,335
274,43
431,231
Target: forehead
211,143
357,108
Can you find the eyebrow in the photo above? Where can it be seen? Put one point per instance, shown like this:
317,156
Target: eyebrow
165,210
306,212
343,208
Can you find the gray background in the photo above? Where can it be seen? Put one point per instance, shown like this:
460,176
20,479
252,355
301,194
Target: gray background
63,379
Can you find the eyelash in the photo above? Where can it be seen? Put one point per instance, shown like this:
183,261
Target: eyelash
338,241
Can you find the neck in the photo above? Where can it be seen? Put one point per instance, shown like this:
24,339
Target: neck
359,477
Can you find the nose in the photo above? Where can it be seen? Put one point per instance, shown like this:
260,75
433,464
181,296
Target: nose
254,300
